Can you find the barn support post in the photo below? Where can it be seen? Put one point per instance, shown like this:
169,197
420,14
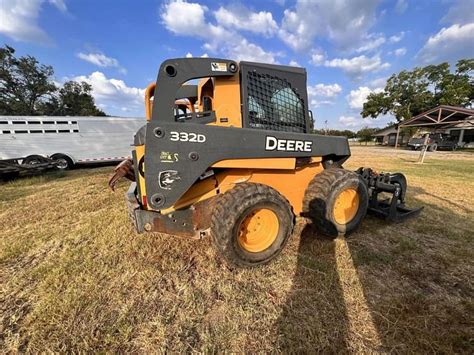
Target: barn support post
461,137
398,135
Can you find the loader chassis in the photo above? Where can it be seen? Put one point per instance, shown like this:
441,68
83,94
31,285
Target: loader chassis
194,157
244,164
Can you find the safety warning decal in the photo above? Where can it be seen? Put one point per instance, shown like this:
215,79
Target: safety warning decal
218,66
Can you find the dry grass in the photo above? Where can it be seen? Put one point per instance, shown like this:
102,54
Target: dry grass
75,277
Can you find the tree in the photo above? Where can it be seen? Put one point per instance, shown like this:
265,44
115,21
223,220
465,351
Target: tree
409,93
24,83
334,132
366,134
27,88
73,99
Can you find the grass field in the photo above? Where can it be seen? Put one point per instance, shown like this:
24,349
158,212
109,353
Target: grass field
75,277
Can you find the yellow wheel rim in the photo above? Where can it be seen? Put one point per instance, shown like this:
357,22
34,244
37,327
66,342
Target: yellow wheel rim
346,206
258,230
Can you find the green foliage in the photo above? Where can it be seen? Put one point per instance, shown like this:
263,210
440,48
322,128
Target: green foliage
27,88
366,134
73,99
334,132
409,93
24,83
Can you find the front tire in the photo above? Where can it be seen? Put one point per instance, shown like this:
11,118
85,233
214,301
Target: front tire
251,224
336,201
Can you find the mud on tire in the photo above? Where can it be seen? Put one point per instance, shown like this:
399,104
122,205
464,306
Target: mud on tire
322,195
234,208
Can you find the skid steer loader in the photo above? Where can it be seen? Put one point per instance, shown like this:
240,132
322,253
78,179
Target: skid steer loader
232,155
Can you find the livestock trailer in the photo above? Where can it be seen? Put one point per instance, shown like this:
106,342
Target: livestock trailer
66,140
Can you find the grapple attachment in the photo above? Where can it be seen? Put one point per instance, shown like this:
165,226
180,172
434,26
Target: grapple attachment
393,208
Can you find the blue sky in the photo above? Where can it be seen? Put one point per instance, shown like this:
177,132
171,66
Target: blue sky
349,47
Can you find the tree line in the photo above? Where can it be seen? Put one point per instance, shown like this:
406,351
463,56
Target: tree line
27,88
410,93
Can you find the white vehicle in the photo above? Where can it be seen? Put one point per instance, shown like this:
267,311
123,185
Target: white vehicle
68,140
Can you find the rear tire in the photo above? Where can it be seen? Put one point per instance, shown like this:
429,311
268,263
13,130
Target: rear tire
34,160
251,224
336,201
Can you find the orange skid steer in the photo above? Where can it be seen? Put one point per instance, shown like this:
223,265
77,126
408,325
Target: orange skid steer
233,156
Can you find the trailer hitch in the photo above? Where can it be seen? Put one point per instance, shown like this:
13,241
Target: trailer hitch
392,209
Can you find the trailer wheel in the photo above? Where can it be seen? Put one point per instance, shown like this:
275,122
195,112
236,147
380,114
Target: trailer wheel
251,224
63,161
33,160
336,201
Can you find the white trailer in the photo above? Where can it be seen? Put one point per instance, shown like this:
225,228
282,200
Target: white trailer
67,140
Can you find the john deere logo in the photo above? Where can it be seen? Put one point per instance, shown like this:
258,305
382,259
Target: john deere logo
287,145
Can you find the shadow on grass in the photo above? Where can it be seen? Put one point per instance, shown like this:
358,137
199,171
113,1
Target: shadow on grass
314,317
414,282
420,191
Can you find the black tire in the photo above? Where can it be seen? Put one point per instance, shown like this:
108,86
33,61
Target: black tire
33,160
63,161
320,199
235,206
433,148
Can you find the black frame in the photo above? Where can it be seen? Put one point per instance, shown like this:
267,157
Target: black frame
221,142
295,76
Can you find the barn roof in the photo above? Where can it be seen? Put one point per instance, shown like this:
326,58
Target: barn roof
441,116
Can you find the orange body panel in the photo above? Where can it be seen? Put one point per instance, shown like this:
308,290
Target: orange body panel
290,183
149,93
263,163
226,101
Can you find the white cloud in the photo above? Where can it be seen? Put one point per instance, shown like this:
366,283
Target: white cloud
101,60
113,94
330,90
378,82
372,42
451,43
356,67
400,52
294,63
460,12
345,22
357,98
190,55
185,18
396,38
188,19
355,123
251,52
323,94
19,19
317,58
240,18
401,6
348,121
60,5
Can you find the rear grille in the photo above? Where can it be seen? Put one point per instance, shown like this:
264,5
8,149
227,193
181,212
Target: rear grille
273,104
